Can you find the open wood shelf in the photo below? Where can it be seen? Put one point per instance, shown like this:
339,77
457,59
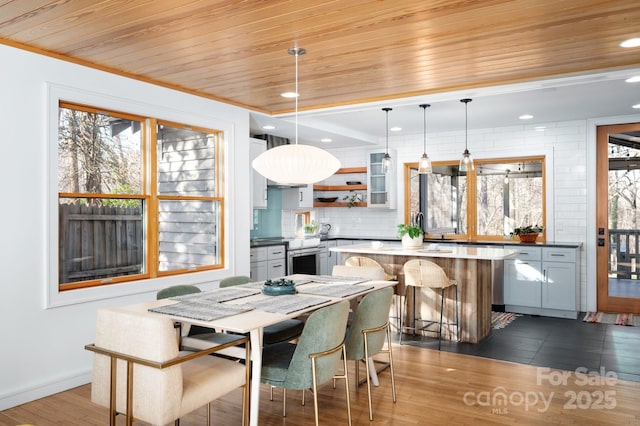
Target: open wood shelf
339,204
343,187
362,187
346,170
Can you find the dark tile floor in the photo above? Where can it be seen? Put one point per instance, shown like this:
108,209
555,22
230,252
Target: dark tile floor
557,343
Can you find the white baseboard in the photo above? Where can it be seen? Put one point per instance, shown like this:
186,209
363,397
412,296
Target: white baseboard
31,393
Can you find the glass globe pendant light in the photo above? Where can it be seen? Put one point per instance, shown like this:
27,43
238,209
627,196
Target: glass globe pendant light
466,163
424,165
296,163
386,160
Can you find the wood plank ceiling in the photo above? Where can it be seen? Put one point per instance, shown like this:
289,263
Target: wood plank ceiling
357,50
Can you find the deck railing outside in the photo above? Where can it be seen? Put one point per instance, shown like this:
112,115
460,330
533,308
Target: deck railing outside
624,253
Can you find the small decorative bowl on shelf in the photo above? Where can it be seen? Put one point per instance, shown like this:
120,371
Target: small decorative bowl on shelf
326,199
278,287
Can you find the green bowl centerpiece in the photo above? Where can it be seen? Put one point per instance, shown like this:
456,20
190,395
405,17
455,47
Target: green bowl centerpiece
278,287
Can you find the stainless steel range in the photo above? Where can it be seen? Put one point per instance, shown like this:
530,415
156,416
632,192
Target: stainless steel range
303,256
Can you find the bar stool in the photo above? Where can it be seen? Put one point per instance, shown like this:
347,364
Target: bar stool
424,273
367,261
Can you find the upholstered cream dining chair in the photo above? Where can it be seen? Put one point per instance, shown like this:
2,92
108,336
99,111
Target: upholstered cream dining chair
139,371
420,273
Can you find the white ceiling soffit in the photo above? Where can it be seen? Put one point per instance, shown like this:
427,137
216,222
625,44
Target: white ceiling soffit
552,100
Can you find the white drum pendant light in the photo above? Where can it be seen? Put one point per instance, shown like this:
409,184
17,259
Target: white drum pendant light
296,163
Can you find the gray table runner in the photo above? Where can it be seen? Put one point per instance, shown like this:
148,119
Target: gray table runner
218,295
335,290
204,311
286,304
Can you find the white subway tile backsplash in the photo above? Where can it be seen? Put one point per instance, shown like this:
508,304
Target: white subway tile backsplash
562,140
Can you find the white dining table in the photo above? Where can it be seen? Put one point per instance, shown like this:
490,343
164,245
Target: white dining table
255,320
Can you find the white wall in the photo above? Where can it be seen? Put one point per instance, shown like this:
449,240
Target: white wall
43,335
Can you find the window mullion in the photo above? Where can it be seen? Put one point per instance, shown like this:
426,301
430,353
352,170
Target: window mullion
151,152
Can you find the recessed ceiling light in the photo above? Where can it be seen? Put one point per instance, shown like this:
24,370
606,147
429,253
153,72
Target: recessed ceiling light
636,106
634,79
526,117
289,95
632,42
395,129
268,127
540,128
327,140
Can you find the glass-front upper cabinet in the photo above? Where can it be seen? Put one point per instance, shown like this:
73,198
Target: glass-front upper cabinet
380,186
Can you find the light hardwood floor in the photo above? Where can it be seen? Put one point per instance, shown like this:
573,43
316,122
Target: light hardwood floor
438,388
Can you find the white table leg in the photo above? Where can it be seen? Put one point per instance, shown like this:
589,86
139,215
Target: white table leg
374,374
256,370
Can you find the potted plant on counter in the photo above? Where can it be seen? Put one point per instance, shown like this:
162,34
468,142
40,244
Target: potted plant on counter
411,235
310,228
527,234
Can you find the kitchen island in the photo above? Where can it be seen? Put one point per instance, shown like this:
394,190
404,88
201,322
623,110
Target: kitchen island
471,267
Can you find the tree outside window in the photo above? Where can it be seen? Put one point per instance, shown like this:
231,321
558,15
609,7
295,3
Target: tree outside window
120,219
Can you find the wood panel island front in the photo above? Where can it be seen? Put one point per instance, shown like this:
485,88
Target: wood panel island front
471,267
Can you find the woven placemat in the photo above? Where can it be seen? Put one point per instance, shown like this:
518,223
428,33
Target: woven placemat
201,310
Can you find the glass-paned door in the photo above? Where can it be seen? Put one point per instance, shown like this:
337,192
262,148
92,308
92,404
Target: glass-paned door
618,218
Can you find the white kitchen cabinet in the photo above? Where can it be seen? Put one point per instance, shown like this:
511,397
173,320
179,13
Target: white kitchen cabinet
522,277
559,272
381,191
258,263
276,261
268,262
327,258
324,257
297,198
542,281
332,257
258,182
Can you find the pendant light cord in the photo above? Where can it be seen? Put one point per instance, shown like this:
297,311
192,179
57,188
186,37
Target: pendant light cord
466,124
387,143
386,110
424,126
297,96
296,51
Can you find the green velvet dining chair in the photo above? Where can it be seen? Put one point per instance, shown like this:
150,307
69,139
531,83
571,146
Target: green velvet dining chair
367,335
318,356
282,331
182,290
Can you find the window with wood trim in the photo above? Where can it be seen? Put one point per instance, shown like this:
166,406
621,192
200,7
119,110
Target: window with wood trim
484,204
137,197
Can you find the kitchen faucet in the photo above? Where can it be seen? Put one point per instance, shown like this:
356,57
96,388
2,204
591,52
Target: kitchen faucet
418,219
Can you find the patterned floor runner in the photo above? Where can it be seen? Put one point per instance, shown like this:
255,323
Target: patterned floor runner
612,318
502,319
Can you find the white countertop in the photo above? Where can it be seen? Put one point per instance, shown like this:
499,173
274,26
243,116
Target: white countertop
429,250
